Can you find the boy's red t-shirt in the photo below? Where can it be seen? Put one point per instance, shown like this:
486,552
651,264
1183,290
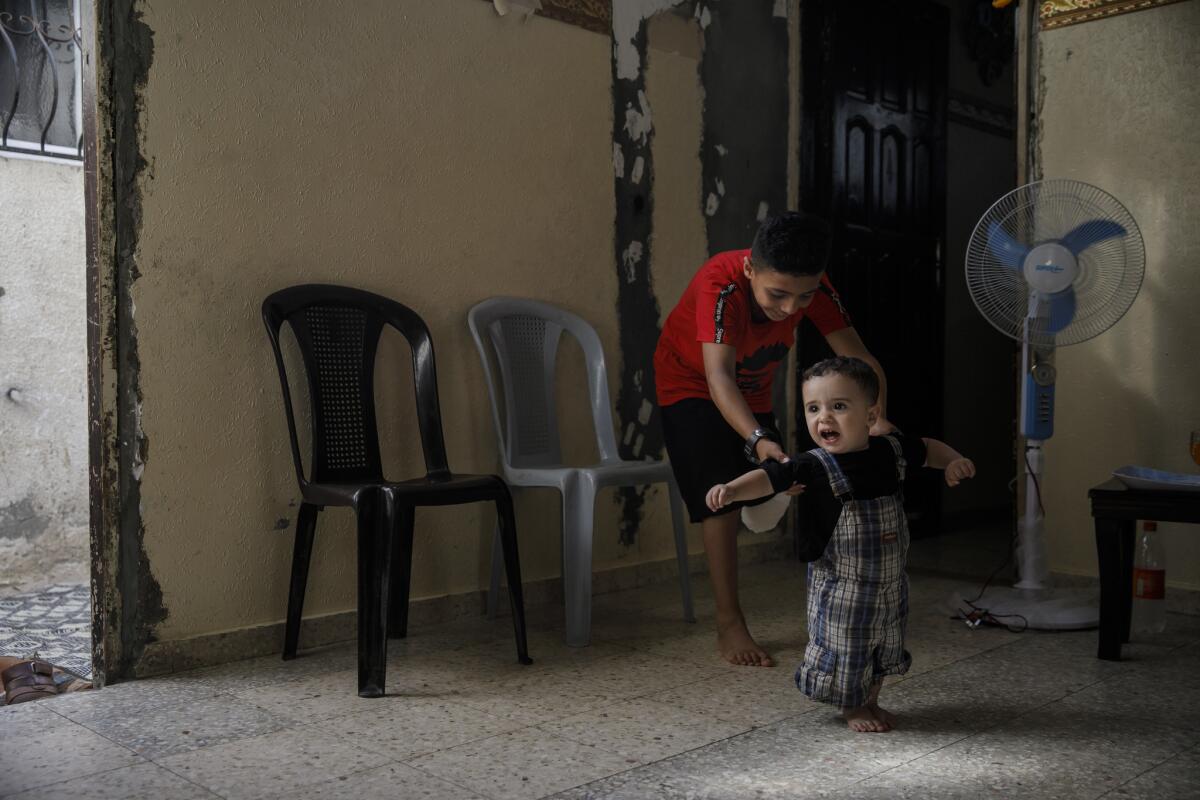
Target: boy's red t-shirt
716,308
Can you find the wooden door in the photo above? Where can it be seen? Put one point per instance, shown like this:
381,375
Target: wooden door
873,163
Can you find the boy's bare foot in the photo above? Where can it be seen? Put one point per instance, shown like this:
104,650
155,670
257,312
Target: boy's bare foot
737,646
862,720
883,715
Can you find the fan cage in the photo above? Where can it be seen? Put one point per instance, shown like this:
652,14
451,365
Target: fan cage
1110,271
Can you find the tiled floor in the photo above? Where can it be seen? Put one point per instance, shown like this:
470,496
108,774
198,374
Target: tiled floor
647,711
54,622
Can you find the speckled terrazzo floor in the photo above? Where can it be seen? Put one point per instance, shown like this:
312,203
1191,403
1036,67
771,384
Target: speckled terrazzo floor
647,711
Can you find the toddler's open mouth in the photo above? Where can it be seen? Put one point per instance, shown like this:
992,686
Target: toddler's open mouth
829,436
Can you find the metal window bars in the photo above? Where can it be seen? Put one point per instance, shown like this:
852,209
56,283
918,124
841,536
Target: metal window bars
36,56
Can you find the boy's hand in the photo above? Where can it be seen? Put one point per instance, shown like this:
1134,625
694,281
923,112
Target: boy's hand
882,427
718,497
959,470
770,450
795,489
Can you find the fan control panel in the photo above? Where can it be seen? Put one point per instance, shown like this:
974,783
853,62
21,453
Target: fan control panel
1044,374
1037,417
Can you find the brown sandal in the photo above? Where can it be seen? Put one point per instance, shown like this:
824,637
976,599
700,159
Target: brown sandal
28,680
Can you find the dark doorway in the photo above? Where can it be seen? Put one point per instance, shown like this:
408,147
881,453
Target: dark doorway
873,155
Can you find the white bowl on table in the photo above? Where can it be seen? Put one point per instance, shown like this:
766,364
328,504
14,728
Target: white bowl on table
1156,480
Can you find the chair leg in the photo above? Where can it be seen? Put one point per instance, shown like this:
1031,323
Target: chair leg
579,501
374,546
507,527
306,529
401,572
493,598
679,522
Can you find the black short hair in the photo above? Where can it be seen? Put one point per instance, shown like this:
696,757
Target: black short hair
853,368
792,243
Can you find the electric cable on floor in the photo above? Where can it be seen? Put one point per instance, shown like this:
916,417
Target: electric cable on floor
980,614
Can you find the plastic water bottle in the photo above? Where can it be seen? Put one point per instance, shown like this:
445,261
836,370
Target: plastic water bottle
1149,582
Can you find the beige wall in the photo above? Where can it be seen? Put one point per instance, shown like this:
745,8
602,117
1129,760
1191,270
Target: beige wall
1120,110
433,152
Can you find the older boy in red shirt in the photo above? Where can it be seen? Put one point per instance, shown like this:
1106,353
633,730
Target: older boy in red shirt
714,367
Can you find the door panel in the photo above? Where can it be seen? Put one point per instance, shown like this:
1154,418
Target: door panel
874,165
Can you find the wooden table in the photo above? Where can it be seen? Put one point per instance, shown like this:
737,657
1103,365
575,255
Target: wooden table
1117,508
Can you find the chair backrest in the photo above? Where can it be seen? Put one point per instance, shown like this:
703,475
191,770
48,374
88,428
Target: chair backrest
524,337
338,330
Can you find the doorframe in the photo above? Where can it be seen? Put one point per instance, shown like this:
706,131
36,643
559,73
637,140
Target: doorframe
126,601
101,583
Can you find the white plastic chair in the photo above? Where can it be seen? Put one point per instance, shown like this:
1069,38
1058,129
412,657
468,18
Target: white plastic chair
524,337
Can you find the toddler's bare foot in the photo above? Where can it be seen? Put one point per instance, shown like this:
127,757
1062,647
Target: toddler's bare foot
886,717
737,646
883,715
862,720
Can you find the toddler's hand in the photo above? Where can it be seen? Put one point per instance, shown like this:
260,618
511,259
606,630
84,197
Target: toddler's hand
959,470
718,497
795,489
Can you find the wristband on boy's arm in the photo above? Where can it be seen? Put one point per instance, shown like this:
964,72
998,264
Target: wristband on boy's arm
752,443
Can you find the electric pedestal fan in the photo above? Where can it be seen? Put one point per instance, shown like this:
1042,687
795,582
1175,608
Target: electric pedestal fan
1051,263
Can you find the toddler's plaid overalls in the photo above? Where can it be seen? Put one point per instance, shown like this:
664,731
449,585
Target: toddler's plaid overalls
857,595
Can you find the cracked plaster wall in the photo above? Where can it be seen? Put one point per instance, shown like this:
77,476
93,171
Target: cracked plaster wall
43,404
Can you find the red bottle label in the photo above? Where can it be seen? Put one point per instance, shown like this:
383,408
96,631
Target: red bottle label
1149,584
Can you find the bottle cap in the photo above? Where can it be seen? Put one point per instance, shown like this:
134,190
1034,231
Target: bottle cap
1149,525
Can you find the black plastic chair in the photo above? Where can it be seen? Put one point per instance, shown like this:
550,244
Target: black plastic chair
338,329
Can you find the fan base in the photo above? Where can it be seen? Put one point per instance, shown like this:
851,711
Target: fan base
1043,609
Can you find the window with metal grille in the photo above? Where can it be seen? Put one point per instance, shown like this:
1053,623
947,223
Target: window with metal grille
41,109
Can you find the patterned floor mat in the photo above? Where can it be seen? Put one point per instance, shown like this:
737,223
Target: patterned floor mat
55,622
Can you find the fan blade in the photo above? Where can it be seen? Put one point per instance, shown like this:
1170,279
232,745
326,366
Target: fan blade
1062,310
1005,248
1089,233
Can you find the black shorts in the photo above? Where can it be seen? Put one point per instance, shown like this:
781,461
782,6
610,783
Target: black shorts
705,451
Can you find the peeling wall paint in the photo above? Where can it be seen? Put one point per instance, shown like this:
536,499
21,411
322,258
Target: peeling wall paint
674,49
745,149
629,36
637,308
744,154
126,50
744,159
